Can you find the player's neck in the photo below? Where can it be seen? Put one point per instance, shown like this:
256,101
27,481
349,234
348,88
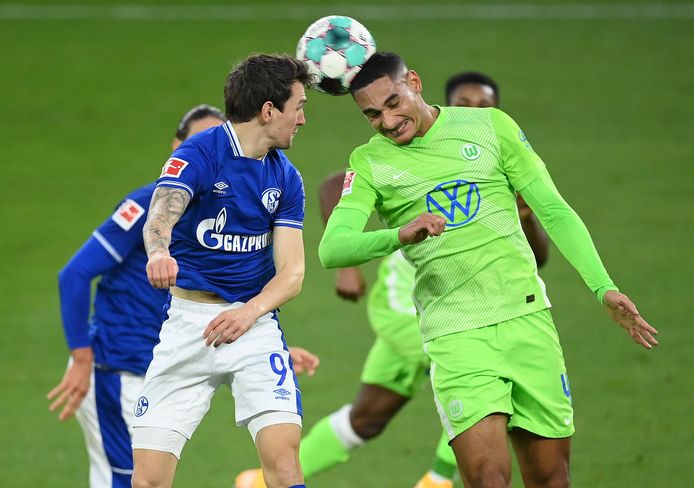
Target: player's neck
254,141
430,114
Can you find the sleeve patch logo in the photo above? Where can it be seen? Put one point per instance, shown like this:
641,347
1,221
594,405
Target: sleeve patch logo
127,214
173,168
348,183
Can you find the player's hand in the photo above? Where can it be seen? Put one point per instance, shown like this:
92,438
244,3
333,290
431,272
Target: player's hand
304,361
161,269
75,384
350,284
230,325
422,227
624,312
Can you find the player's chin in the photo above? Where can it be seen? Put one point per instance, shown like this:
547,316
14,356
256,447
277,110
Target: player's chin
402,137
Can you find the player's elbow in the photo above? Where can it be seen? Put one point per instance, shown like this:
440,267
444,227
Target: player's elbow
327,253
294,280
68,275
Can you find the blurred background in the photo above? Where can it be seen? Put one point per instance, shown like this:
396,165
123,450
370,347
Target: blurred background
90,96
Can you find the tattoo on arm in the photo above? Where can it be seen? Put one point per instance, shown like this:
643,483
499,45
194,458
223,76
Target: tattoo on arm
166,208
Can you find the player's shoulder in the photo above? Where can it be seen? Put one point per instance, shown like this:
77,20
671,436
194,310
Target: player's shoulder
290,173
469,115
378,144
133,208
205,144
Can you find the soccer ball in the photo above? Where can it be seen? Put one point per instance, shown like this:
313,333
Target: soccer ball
335,48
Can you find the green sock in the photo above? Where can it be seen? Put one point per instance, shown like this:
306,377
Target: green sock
444,464
321,449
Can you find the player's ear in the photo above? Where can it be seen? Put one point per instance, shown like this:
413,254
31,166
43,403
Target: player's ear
266,112
414,81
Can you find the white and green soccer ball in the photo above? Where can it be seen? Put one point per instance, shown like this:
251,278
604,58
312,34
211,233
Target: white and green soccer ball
335,48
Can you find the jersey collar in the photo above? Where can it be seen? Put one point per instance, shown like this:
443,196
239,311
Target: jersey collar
235,143
233,140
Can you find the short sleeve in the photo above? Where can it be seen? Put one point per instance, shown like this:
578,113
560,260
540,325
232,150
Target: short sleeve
520,163
292,202
189,168
357,191
121,234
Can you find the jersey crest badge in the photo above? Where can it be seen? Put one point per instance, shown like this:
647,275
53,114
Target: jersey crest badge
271,199
471,152
173,168
127,214
348,183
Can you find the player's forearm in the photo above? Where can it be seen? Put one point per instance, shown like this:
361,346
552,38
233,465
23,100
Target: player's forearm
568,232
284,286
345,243
166,208
74,285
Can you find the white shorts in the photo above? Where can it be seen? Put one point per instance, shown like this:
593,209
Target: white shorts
185,373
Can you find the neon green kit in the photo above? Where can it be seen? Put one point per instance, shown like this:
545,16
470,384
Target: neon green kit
481,271
396,360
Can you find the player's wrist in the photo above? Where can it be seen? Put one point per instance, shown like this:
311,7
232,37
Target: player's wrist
158,253
82,355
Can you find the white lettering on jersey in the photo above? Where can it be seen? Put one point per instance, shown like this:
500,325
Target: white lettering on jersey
173,168
127,214
209,235
348,183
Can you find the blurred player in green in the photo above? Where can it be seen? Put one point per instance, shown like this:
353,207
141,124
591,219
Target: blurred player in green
444,180
396,365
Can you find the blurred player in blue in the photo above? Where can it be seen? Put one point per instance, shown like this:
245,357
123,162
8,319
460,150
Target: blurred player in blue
224,233
111,351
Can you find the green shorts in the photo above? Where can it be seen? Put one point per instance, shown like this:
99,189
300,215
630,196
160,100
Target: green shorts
396,361
514,367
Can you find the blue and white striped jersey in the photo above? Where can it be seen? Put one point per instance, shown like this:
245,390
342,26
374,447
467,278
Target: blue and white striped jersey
223,241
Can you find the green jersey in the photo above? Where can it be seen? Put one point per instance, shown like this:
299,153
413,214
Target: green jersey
391,294
466,168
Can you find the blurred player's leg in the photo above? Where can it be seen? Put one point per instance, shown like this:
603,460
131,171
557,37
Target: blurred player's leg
443,469
99,469
333,438
106,419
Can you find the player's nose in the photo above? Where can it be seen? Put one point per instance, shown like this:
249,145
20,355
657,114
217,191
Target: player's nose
390,122
301,119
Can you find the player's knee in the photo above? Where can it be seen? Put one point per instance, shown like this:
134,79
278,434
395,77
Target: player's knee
366,425
556,478
488,475
487,478
283,470
142,479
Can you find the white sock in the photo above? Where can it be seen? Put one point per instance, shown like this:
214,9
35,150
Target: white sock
342,427
437,478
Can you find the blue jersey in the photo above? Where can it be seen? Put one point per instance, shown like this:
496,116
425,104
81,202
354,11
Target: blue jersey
128,311
223,241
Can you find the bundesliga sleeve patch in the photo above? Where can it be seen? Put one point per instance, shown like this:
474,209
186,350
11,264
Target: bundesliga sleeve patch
127,214
348,183
173,168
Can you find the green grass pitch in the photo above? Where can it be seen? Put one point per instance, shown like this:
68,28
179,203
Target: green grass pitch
89,107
